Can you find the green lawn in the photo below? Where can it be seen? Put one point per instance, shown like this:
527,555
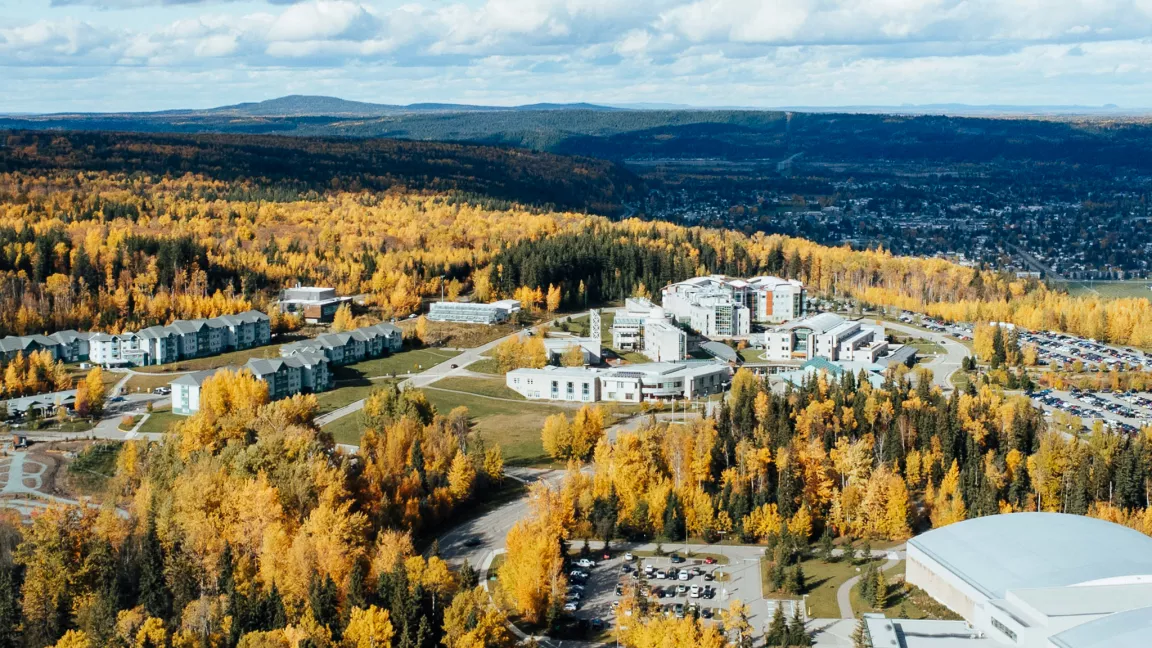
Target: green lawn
413,361
904,601
495,387
159,421
486,366
93,467
515,426
1110,289
751,355
822,579
334,399
140,383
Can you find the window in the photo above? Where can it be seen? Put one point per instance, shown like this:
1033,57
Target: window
1003,628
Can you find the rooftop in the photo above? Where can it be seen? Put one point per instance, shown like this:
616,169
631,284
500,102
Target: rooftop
998,553
1131,629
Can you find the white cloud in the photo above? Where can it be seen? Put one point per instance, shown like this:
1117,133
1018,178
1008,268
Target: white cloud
761,52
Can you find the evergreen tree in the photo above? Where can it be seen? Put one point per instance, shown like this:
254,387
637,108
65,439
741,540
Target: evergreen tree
9,606
880,591
797,633
824,547
777,634
154,593
860,638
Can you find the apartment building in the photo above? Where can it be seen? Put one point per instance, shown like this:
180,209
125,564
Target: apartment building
302,373
351,347
180,340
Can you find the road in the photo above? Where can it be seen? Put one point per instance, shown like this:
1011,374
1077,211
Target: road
942,366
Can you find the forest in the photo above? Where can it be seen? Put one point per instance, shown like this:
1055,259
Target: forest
689,134
246,527
799,469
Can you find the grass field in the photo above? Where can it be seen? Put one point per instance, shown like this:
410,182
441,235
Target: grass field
337,398
1110,289
494,387
93,467
139,383
159,421
904,601
486,366
412,361
515,426
823,580
460,335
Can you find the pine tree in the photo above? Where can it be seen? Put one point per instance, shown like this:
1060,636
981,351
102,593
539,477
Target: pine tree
154,593
800,580
880,595
9,607
825,547
860,638
777,634
324,599
797,633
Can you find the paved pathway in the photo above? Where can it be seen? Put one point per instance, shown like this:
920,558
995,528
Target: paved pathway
844,594
942,366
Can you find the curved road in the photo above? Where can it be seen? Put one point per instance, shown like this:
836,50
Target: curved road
942,366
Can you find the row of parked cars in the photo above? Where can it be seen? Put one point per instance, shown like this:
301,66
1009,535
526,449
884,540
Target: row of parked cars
1090,405
1061,347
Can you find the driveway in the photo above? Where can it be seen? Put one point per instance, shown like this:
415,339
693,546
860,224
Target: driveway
942,366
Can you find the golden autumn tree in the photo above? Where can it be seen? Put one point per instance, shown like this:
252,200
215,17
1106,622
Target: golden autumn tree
532,576
368,628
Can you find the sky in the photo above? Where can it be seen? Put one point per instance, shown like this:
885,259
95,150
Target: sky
136,55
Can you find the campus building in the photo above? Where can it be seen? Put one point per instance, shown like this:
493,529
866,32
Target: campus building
352,346
630,383
316,304
557,345
473,313
646,328
1033,580
719,306
827,336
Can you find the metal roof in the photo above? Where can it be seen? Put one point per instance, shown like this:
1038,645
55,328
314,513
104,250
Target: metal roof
1131,629
998,553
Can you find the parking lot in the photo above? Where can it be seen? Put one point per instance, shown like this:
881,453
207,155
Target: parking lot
1064,349
1123,411
678,584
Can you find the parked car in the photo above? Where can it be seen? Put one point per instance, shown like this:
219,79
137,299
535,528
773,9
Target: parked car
585,562
709,560
661,574
570,606
628,556
694,591
677,559
683,575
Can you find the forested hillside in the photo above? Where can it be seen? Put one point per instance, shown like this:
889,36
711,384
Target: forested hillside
727,134
292,167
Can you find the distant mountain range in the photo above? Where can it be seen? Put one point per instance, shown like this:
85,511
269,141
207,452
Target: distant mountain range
943,133
321,106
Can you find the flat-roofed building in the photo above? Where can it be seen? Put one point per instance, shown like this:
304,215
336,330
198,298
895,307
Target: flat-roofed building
720,306
630,383
473,313
315,303
1040,580
827,336
558,345
572,384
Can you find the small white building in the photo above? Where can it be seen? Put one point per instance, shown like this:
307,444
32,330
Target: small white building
573,384
473,313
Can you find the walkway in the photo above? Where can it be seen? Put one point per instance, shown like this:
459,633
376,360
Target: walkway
844,594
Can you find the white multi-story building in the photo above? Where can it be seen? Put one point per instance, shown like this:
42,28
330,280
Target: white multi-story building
630,383
644,327
826,336
179,340
472,312
718,306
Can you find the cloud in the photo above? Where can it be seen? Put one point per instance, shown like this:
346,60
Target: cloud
752,52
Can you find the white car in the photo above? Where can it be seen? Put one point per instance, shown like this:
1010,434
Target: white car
684,575
628,556
576,587
573,596
694,592
576,573
661,574
570,607
585,562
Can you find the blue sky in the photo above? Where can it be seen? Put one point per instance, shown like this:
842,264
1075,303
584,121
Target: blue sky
112,55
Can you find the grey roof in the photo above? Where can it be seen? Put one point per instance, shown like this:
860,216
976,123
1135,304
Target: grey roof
69,336
263,367
156,332
99,337
820,323
195,379
23,403
187,326
997,553
1131,629
720,350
